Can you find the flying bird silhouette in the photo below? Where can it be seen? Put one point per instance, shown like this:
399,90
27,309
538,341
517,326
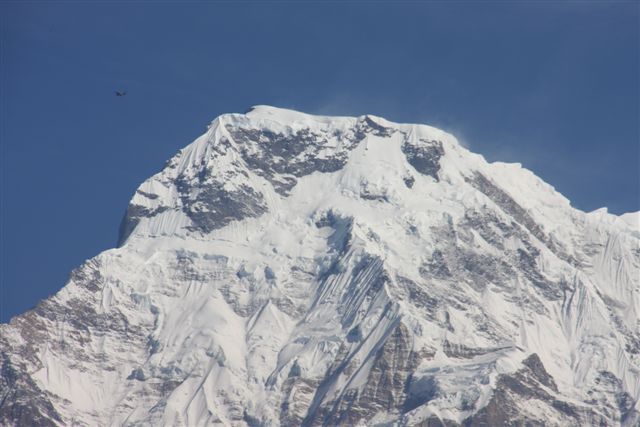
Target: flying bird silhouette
120,93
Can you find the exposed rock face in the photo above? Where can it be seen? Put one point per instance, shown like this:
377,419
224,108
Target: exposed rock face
424,156
287,269
26,403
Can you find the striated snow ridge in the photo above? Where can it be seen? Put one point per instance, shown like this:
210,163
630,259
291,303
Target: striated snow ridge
286,269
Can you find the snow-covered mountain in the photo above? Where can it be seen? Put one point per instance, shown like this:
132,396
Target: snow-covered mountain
288,269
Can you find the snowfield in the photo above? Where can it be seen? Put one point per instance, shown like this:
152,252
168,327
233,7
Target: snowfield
286,269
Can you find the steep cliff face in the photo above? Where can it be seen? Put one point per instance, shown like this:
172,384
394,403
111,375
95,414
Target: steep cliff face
288,269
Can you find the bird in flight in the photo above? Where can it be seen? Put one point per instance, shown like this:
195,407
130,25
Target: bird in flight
120,93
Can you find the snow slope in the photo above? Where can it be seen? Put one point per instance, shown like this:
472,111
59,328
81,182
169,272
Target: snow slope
289,269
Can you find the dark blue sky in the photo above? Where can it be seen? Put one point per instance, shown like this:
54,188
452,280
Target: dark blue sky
553,86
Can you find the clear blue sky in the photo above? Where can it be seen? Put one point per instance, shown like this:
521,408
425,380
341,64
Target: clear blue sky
553,85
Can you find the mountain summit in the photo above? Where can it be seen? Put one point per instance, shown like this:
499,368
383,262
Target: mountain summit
286,269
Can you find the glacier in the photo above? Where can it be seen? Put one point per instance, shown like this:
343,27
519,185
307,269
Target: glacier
287,269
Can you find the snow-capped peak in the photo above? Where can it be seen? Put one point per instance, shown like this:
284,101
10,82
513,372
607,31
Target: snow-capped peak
292,269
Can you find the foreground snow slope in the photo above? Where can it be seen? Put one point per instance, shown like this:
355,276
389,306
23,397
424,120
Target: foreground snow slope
288,269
